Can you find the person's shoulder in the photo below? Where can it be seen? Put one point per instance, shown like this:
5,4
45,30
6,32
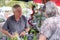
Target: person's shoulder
23,17
11,17
51,19
57,17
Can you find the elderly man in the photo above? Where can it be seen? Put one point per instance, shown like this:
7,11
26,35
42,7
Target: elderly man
16,23
50,29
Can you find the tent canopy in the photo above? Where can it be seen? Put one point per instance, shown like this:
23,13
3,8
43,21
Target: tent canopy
56,1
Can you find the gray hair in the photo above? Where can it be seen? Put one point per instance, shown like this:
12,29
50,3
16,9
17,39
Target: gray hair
51,9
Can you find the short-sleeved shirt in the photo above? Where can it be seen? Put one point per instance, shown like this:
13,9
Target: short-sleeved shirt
11,25
51,28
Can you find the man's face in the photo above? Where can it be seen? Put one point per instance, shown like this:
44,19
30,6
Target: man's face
17,11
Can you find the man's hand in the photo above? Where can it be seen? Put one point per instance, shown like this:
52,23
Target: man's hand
11,36
7,33
42,37
23,33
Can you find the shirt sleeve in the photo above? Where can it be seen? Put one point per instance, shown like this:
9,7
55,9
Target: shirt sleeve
26,24
46,29
6,25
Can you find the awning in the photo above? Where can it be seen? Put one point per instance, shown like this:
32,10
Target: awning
37,1
57,2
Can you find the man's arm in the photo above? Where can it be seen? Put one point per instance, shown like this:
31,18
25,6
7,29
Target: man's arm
27,29
42,37
45,30
6,33
5,28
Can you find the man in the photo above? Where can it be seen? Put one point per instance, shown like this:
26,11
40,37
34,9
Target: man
50,29
16,22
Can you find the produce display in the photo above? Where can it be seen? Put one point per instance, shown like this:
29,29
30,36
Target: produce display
16,37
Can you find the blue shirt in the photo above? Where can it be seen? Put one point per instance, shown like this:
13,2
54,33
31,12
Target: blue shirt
11,25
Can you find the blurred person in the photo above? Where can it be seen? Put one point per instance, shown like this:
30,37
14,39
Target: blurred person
51,9
16,22
50,29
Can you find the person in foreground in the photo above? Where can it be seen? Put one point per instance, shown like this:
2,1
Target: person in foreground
50,29
16,23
